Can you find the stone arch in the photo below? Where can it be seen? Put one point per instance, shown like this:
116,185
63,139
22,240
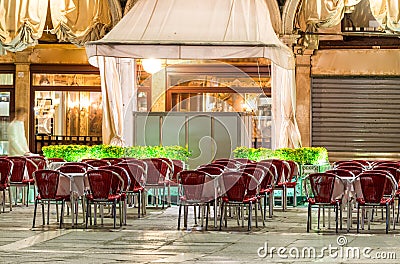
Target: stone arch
288,16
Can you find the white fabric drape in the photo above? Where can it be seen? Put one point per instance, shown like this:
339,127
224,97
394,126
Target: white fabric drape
117,86
387,13
21,23
212,29
78,21
285,132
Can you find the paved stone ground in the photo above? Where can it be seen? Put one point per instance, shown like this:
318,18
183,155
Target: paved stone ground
155,238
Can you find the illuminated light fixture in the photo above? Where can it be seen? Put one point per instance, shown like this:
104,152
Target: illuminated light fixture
152,65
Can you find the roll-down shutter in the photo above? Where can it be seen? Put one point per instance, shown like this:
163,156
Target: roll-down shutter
359,114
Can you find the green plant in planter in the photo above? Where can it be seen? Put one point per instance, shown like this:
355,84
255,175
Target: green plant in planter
305,155
313,155
79,152
286,154
67,152
256,154
106,151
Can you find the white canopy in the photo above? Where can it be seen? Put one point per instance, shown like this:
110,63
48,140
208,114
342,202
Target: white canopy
190,29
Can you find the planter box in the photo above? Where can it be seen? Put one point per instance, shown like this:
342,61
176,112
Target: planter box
305,170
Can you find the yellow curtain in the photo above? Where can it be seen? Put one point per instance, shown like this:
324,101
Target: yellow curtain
387,13
79,21
21,23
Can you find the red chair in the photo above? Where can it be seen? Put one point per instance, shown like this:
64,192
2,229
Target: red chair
113,161
215,171
177,166
341,173
72,169
157,177
290,181
191,184
18,177
213,165
349,163
49,160
266,185
137,178
372,185
244,161
135,161
39,161
116,184
322,186
236,186
254,185
102,191
47,185
97,163
228,163
82,164
355,170
282,173
6,167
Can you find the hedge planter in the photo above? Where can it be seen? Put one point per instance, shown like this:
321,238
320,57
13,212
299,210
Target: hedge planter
79,152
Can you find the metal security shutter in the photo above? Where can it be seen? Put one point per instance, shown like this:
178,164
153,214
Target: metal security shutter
356,115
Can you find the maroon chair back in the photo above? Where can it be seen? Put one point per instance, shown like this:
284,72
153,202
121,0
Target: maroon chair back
135,161
50,160
31,167
212,165
255,181
282,169
391,172
113,161
191,183
47,183
395,172
244,161
268,177
157,170
39,161
373,185
97,163
179,166
67,168
215,171
228,163
386,163
100,183
6,167
355,170
235,184
82,164
341,173
350,163
322,185
136,174
18,171
294,170
116,183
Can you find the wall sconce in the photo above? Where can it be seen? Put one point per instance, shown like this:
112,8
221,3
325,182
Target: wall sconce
152,65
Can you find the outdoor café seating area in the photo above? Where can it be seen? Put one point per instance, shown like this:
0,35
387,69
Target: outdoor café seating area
224,194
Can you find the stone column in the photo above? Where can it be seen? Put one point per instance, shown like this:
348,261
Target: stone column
22,85
303,94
